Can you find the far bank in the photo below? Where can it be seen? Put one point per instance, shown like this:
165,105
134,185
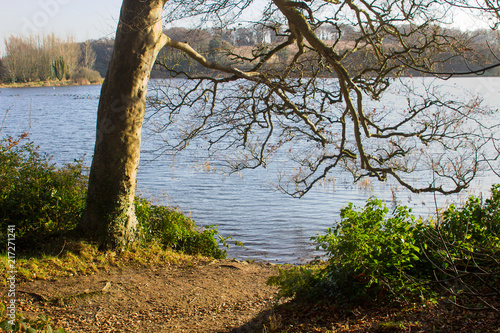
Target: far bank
54,83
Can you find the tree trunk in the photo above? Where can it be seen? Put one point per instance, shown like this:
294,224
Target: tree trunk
109,217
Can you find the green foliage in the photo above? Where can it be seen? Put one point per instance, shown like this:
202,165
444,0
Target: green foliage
376,251
370,255
19,323
177,231
41,200
475,226
305,283
467,237
377,257
464,249
371,243
59,68
36,196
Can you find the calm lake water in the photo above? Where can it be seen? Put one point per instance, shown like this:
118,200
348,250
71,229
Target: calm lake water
271,225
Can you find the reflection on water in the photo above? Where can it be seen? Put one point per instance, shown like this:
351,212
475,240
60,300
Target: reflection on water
272,225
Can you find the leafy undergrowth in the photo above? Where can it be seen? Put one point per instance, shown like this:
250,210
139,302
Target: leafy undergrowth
40,201
293,317
41,204
394,273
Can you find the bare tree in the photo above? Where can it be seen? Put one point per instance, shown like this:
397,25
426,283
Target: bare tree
316,97
109,216
32,58
88,55
71,53
20,61
322,105
10,62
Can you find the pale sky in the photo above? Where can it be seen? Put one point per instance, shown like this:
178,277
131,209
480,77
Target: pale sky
82,19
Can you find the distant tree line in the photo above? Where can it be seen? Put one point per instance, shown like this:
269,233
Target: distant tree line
231,46
44,58
41,58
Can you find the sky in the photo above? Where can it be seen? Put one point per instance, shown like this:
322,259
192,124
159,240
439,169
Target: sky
82,19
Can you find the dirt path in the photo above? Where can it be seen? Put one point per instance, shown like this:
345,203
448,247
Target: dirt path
221,296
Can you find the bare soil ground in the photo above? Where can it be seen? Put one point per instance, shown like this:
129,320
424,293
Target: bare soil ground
219,296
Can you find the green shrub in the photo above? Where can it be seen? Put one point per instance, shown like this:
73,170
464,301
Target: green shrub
377,252
36,196
41,200
473,227
466,237
374,256
464,249
177,231
371,255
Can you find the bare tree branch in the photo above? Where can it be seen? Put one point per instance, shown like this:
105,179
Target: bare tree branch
312,99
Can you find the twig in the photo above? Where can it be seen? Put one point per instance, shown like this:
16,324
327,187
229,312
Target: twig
60,252
4,120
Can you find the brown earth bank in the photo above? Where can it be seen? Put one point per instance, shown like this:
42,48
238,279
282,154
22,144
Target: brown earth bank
219,296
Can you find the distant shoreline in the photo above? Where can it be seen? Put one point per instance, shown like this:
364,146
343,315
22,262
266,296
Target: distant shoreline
38,84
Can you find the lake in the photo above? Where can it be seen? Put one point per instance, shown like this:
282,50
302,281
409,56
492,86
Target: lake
273,226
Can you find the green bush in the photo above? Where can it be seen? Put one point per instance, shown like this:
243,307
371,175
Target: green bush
41,200
464,249
371,255
473,227
375,251
36,196
177,231
374,256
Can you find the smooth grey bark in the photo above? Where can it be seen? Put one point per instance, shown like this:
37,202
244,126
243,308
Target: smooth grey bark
109,216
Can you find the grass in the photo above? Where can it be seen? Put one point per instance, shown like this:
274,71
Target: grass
70,258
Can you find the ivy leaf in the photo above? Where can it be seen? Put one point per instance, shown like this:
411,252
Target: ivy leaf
6,326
